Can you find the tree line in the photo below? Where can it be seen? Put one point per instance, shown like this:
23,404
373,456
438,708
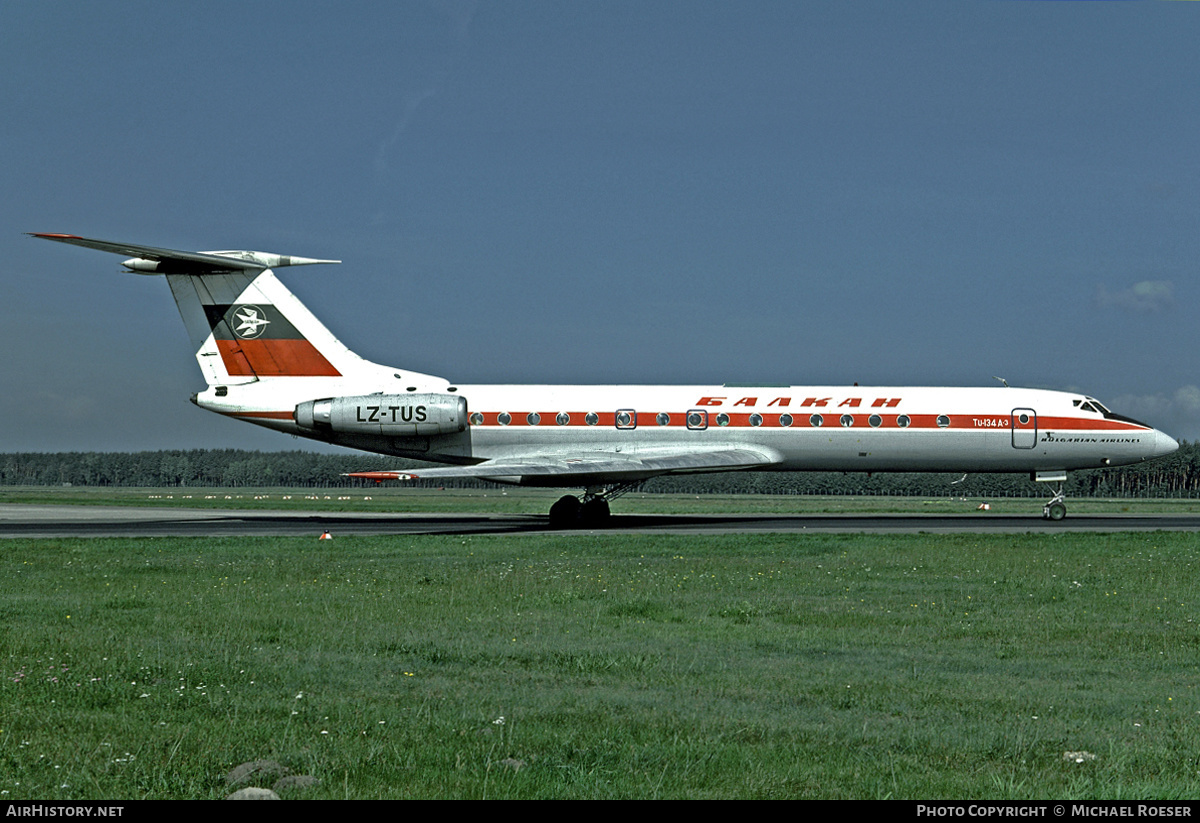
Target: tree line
1175,476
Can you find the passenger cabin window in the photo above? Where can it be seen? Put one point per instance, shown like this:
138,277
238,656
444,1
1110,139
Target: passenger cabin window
505,418
756,420
903,420
562,419
533,418
943,421
476,419
785,420
591,418
816,421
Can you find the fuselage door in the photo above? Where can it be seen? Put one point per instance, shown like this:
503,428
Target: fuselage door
1024,428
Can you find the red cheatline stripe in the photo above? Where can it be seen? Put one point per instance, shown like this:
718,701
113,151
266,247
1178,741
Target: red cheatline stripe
830,419
771,421
263,415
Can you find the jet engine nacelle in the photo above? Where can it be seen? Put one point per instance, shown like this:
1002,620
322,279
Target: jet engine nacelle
395,415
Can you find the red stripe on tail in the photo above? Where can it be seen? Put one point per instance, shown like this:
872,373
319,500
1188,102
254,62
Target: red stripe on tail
274,358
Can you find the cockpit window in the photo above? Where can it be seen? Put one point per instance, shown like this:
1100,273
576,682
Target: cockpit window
1099,407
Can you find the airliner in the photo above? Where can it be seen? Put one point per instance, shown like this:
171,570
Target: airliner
268,360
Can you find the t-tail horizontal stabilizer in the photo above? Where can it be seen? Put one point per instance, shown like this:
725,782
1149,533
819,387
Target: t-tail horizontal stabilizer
152,260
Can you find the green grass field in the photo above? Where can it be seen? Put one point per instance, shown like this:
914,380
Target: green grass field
576,666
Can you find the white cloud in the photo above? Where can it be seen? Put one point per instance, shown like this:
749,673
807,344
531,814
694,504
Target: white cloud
1146,296
1178,413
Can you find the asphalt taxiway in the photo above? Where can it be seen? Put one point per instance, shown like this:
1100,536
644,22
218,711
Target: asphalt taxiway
55,521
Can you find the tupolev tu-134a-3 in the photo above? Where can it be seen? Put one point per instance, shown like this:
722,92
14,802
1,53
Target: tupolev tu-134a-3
268,360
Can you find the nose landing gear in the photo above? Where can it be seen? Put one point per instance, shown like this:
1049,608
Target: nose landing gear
1056,507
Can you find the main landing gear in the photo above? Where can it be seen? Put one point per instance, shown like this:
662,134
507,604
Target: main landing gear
571,512
590,511
1056,508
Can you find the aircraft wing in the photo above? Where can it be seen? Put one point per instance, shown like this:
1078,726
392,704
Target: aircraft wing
591,469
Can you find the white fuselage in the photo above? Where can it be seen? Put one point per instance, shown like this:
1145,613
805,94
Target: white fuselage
811,428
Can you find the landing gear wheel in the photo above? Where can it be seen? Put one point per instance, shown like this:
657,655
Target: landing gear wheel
591,511
1055,508
564,514
594,513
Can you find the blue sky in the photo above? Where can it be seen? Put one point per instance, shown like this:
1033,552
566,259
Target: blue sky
925,193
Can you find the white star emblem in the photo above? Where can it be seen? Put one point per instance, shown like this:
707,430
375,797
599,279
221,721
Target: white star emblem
249,321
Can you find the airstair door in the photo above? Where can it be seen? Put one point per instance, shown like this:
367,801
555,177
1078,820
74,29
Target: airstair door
1024,428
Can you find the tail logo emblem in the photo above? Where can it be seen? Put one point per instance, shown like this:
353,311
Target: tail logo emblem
249,322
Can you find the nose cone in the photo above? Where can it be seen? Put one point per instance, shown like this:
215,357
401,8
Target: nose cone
1164,444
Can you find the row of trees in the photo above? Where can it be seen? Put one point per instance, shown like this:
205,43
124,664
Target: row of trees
1174,476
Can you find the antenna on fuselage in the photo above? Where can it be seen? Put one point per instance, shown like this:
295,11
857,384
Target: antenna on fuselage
1001,379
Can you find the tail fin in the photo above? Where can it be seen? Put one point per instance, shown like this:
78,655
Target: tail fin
244,324
247,326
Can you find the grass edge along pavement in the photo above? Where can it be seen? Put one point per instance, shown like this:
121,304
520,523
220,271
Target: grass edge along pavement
503,500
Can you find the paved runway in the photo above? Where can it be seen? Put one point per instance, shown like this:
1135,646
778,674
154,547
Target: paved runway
21,520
